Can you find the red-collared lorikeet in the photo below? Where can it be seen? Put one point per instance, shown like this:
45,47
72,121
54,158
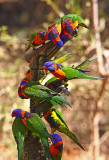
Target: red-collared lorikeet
57,147
34,123
57,122
19,132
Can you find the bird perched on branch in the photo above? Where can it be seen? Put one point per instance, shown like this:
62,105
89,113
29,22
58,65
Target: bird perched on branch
38,128
70,25
36,39
57,122
54,32
38,92
20,89
67,73
19,132
57,147
64,29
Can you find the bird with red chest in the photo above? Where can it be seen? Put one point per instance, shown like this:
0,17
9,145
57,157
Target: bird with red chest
34,123
54,32
57,147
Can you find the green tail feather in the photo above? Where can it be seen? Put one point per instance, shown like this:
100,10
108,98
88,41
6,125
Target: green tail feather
72,136
19,132
88,77
86,63
20,147
60,100
46,148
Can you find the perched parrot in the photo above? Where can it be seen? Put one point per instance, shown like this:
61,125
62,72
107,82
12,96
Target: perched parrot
57,147
38,128
39,92
70,24
21,88
60,59
36,39
54,32
65,72
19,132
80,67
57,122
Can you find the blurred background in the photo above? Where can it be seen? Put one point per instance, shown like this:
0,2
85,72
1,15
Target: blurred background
89,116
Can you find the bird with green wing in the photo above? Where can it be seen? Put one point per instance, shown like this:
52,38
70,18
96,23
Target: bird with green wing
57,122
34,123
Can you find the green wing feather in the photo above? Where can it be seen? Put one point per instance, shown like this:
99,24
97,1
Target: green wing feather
36,125
86,63
63,128
60,116
19,131
39,92
88,77
30,40
37,86
71,73
70,135
60,101
59,156
62,58
32,37
51,80
45,144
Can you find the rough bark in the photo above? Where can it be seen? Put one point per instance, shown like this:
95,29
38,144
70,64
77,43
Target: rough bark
33,149
36,59
104,74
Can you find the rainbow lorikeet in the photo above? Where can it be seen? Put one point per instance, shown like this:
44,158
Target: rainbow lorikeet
80,67
39,92
70,24
57,147
20,89
67,73
60,59
36,39
54,32
19,132
38,128
57,122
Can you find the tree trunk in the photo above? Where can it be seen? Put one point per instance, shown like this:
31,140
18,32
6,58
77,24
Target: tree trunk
103,73
33,149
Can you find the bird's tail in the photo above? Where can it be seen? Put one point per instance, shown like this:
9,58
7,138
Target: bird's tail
20,147
45,144
59,101
88,77
72,136
86,62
